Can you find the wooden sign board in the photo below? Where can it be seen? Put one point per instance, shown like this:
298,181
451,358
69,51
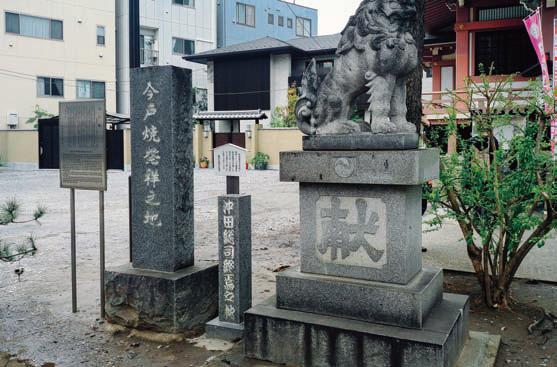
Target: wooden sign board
230,160
83,145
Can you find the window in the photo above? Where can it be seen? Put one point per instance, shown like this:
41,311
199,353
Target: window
189,3
271,19
245,14
281,21
100,36
12,23
26,25
182,46
90,89
507,12
499,48
303,27
289,22
50,87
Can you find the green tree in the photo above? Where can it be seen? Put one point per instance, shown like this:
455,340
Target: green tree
9,213
39,113
286,116
502,193
414,83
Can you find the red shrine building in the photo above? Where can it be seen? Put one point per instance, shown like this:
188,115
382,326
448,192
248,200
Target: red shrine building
461,35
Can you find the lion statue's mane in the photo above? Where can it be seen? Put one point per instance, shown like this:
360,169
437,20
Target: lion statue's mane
376,53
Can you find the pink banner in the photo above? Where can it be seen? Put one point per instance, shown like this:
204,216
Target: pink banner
533,25
554,120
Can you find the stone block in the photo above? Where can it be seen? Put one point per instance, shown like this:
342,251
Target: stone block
383,303
235,257
361,141
159,301
369,232
309,340
393,167
229,331
162,168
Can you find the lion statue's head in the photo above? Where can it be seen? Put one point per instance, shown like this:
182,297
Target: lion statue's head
376,18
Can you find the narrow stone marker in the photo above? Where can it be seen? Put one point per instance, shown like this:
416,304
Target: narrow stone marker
235,267
234,213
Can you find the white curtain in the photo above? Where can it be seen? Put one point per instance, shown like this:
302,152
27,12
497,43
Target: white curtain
250,16
34,27
83,89
40,87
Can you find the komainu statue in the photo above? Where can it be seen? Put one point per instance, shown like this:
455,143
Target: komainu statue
376,54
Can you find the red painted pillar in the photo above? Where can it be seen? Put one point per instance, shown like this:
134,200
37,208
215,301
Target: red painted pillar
436,74
462,47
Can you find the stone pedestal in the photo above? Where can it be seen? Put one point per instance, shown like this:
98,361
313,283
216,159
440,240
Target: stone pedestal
235,267
361,296
164,290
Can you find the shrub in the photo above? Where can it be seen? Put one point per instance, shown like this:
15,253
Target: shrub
502,192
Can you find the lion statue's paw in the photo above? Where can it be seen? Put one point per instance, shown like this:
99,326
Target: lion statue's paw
383,126
404,126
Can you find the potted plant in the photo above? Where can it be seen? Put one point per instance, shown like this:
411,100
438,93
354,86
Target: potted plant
260,161
204,162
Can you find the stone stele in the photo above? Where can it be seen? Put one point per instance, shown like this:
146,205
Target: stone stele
163,290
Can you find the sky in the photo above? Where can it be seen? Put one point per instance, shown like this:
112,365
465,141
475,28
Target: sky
333,14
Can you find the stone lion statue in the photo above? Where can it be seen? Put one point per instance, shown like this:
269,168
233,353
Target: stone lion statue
376,53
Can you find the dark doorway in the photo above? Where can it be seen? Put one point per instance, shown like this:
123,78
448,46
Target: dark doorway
115,149
238,139
49,152
49,146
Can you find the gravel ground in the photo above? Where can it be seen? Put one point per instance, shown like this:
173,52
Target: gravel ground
35,317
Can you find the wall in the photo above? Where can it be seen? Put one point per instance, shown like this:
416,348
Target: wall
19,148
231,33
77,56
168,20
274,141
281,66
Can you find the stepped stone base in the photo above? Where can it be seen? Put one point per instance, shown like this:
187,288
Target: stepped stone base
361,141
165,302
216,329
385,303
309,340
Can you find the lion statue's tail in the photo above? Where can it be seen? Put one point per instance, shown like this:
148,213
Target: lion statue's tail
306,102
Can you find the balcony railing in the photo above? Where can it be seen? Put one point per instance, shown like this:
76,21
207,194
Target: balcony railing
149,57
436,105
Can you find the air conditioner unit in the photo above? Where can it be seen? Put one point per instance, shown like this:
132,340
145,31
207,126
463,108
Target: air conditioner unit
12,119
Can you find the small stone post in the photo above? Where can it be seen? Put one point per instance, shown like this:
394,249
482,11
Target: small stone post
234,213
235,267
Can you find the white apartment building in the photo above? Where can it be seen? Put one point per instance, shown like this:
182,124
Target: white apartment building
54,50
169,30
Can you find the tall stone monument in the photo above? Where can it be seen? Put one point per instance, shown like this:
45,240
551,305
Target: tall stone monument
163,289
361,296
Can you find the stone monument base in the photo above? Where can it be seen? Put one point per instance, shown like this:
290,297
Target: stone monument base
310,340
229,331
385,303
361,141
165,302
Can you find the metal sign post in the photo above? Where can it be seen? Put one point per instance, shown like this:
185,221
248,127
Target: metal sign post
101,246
73,255
83,166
